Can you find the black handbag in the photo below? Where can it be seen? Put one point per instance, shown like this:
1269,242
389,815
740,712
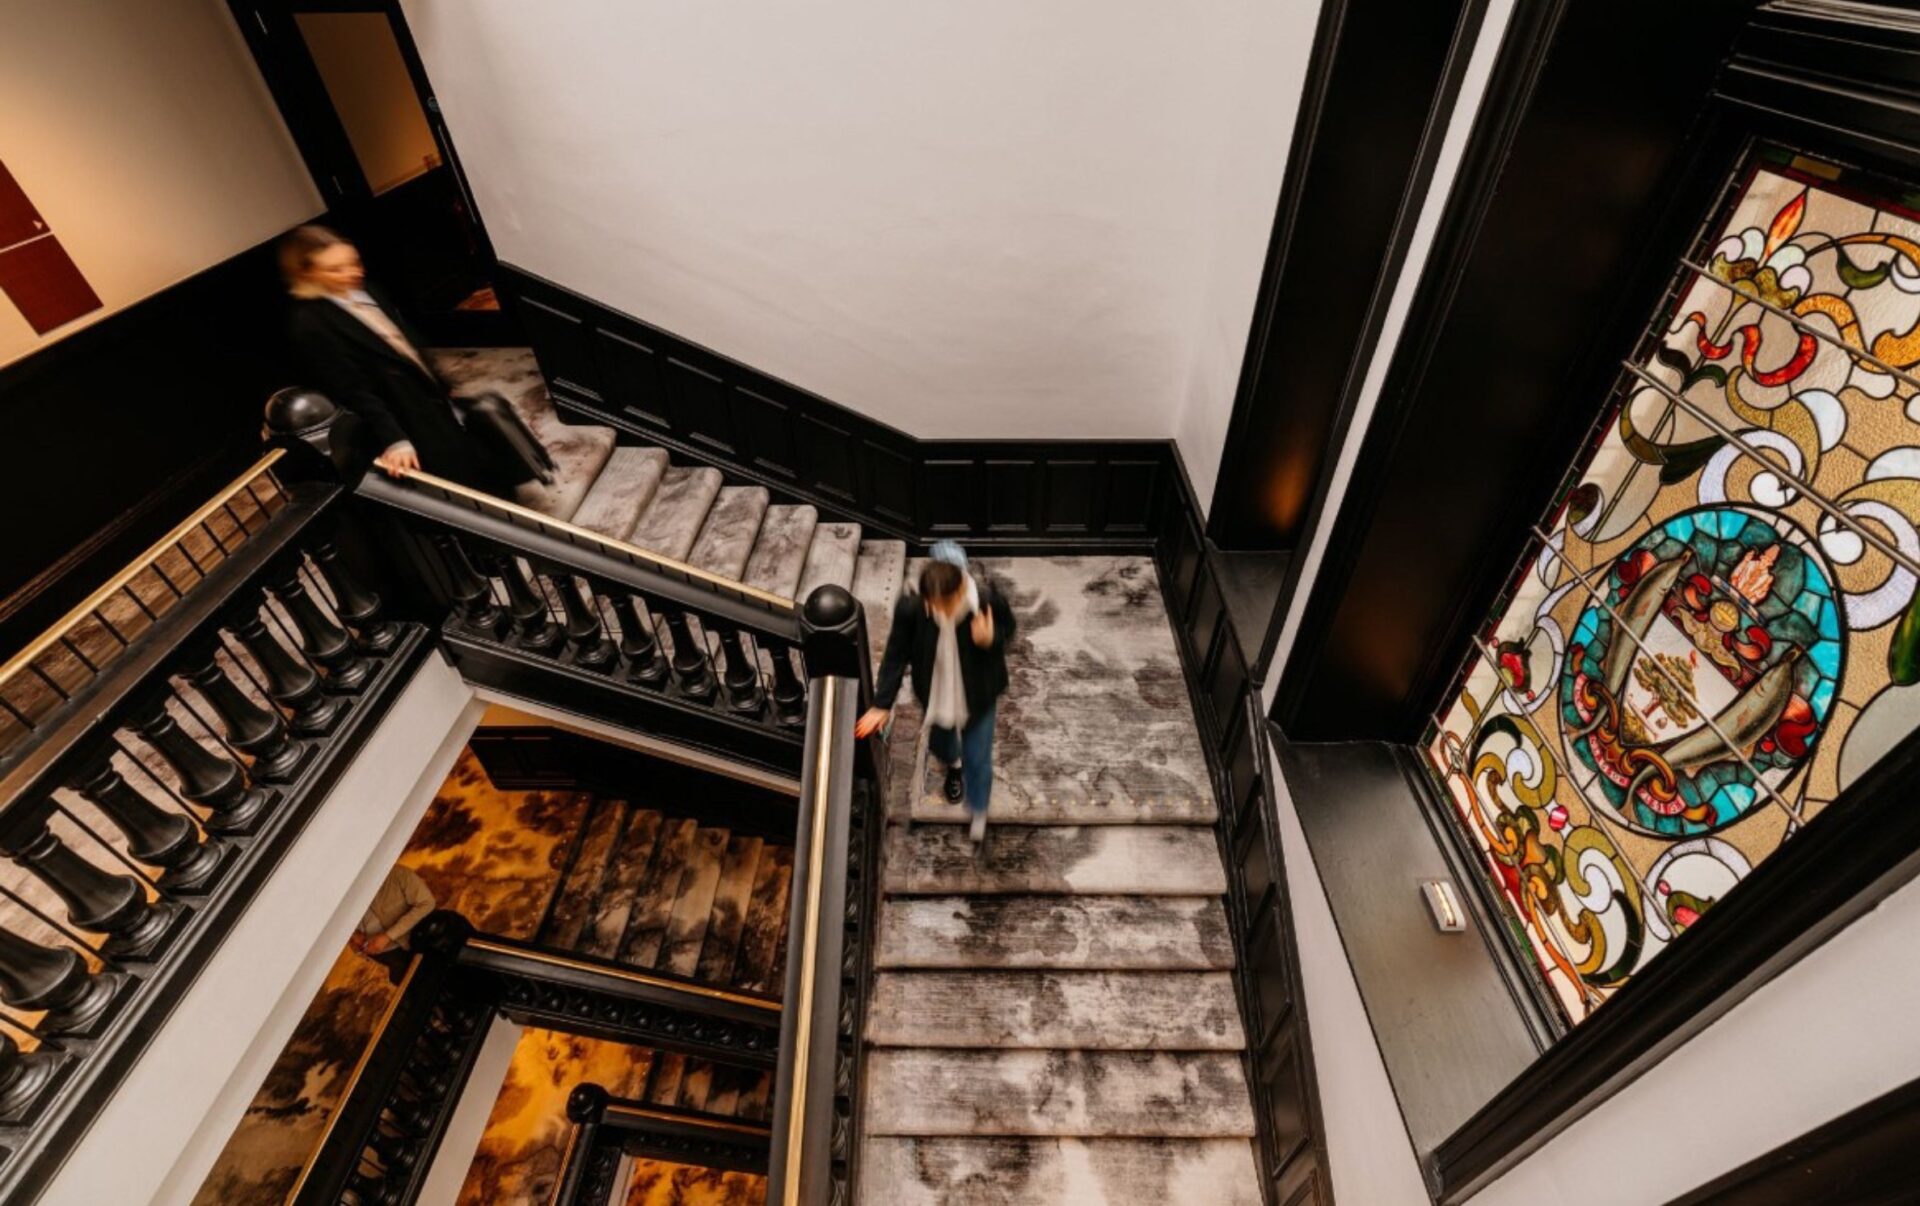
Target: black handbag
504,438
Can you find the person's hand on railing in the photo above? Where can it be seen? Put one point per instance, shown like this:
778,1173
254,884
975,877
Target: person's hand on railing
399,460
870,722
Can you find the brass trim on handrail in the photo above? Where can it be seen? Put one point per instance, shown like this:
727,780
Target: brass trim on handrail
822,771
713,1124
353,1078
618,546
87,606
480,943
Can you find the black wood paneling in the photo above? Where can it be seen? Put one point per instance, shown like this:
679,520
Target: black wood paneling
609,367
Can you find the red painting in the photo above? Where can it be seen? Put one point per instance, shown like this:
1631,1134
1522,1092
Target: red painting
36,273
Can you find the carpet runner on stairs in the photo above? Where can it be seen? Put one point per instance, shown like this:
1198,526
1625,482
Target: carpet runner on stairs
1053,1017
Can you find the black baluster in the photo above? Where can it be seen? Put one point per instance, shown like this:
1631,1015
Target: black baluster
472,594
322,636
740,677
645,664
214,780
56,979
99,900
25,1077
256,730
290,681
692,668
789,693
535,627
585,631
358,605
156,836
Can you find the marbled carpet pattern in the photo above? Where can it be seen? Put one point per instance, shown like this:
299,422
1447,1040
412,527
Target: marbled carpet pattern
520,1154
494,856
657,1183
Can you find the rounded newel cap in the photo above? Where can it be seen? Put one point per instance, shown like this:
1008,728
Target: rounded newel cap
830,607
586,1103
295,410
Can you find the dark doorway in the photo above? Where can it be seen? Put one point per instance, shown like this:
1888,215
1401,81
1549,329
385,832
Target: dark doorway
354,93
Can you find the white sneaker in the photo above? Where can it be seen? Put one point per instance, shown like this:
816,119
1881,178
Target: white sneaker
977,828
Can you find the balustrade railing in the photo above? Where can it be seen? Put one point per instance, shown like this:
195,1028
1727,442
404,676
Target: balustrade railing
605,1128
159,747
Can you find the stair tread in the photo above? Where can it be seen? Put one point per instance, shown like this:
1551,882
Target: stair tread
626,876
1058,1172
687,929
780,550
663,1079
672,521
696,1085
731,899
580,889
765,929
1085,1010
622,491
653,907
1150,1094
1085,860
579,452
878,575
1095,932
830,558
732,525
1066,804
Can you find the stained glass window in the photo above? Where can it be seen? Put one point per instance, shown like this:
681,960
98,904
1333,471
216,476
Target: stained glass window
1715,629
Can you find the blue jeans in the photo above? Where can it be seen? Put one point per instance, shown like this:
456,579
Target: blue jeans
972,748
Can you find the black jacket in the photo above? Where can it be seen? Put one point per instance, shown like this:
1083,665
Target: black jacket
392,398
983,672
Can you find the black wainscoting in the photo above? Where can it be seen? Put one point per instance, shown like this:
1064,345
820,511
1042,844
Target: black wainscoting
1015,495
119,430
1226,702
1363,150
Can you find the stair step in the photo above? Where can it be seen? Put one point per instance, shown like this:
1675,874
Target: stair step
726,538
765,931
723,1098
626,876
1058,1172
780,552
672,521
696,1086
653,907
756,1099
622,491
580,889
830,559
1164,933
1087,860
1066,803
1086,1010
579,452
1156,1094
663,1079
878,575
687,930
730,902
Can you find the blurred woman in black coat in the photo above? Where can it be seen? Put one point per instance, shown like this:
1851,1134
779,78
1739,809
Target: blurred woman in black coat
356,349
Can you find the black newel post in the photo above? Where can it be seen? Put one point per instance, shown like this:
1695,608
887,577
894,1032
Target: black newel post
290,681
536,629
645,665
692,668
587,1110
156,836
24,1078
253,728
472,595
322,636
55,979
830,628
214,780
99,900
359,605
585,631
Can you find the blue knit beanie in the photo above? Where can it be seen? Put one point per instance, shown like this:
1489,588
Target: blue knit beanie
950,552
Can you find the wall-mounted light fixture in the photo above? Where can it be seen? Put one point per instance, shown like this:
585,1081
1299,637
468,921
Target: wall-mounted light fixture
1443,901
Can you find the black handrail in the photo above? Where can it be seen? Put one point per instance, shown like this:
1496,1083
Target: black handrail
605,1127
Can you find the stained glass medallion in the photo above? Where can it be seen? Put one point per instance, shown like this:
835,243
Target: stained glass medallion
1716,628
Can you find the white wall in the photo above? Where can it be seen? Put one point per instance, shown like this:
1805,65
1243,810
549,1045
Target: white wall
999,219
144,135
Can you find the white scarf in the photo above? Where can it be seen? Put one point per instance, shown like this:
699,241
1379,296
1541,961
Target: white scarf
947,707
